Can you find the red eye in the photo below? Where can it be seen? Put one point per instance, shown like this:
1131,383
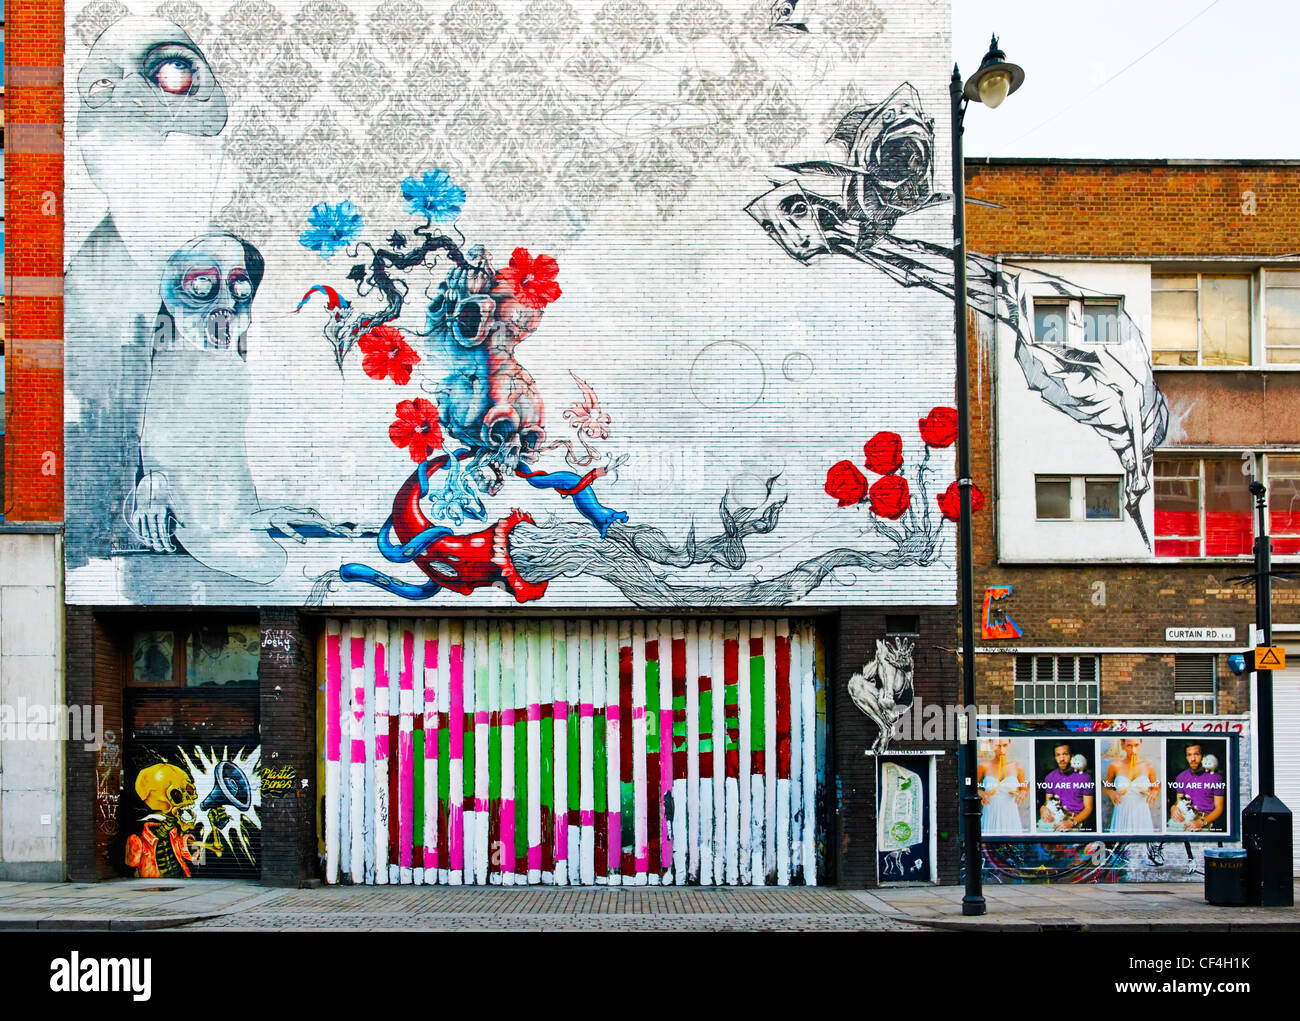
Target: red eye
240,285
201,284
175,76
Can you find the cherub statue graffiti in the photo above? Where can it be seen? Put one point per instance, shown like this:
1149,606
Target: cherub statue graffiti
850,207
883,688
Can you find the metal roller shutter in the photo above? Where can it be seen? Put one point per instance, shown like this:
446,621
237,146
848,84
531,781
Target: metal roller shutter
635,752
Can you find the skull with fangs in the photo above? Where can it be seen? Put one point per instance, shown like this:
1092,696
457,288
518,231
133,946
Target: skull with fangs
490,402
208,289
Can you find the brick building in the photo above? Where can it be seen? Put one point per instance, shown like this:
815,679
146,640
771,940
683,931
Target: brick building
295,686
1107,590
31,386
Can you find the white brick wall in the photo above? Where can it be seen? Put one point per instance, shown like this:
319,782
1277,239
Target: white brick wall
671,291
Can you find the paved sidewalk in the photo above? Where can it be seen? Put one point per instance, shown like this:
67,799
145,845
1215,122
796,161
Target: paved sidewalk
1094,907
124,903
240,906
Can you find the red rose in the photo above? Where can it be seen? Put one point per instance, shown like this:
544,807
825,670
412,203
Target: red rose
386,353
939,428
890,497
417,427
846,483
884,453
532,280
950,501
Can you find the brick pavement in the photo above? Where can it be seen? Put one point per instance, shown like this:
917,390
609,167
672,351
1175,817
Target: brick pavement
563,909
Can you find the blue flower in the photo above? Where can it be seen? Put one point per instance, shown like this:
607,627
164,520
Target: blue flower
434,197
330,228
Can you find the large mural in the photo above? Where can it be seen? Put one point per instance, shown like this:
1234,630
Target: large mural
386,302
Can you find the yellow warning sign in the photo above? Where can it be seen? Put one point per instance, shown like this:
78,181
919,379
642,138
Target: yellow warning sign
1270,657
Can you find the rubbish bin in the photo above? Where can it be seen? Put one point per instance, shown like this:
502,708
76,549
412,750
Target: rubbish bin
1225,875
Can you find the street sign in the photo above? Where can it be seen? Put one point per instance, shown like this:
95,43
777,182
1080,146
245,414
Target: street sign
1270,657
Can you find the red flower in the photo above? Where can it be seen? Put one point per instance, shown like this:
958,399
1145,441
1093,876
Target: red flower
846,483
939,428
417,427
884,453
950,501
386,353
890,497
531,279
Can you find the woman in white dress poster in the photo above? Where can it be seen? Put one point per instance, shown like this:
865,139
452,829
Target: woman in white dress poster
1132,786
1002,788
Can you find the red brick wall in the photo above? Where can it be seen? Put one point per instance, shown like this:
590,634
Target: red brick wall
1133,210
34,268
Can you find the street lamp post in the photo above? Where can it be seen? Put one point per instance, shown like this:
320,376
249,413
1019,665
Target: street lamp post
990,85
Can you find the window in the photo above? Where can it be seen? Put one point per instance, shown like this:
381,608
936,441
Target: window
1057,685
1203,508
1101,499
1052,496
1195,684
1200,319
902,624
1283,473
1282,317
1078,497
199,657
1065,320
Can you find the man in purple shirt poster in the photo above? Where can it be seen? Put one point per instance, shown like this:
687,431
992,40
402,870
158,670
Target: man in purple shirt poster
1199,793
1065,795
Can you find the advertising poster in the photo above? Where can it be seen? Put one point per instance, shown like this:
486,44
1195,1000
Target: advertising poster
1005,778
1065,793
903,839
1196,793
1132,783
1057,781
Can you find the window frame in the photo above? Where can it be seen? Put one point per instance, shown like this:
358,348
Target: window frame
1197,703
1254,312
183,633
1201,459
1075,323
1079,497
1026,704
1268,476
1265,346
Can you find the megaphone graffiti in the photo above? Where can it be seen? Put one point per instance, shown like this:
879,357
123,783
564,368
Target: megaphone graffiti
230,787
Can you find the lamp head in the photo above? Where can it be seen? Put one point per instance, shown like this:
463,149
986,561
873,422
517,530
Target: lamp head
995,80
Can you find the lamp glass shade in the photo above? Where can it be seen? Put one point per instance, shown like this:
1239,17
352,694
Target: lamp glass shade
993,88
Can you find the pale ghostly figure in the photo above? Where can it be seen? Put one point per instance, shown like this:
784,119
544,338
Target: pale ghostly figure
149,121
195,492
150,113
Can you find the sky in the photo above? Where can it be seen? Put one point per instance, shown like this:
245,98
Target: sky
1075,101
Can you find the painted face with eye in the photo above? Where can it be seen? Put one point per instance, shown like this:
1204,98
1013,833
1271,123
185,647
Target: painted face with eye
791,219
208,290
145,76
